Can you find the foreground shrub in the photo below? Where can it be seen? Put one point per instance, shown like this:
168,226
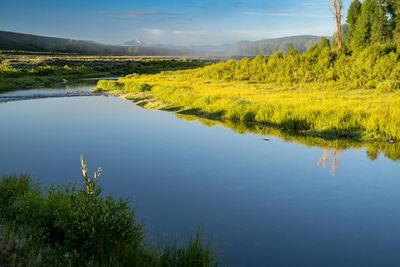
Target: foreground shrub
388,86
88,228
13,187
97,228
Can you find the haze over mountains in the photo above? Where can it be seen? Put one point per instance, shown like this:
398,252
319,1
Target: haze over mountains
136,47
136,42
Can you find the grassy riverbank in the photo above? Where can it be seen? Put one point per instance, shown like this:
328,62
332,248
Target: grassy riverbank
27,70
311,93
67,226
358,114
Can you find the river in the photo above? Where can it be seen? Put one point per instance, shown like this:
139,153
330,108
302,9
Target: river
266,199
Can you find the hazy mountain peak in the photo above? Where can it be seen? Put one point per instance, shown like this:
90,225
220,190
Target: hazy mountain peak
136,42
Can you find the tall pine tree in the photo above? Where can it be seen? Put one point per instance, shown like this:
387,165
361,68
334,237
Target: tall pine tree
393,9
379,23
363,28
352,16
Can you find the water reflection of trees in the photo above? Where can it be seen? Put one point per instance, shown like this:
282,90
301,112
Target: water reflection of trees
325,158
373,149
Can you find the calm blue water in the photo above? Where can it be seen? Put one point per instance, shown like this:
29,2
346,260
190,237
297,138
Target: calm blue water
266,203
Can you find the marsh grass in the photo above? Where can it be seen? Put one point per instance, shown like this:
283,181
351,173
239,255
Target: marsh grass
194,252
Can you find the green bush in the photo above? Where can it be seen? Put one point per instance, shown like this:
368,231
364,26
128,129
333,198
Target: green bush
98,228
88,228
136,87
43,71
13,187
388,86
109,85
6,70
321,64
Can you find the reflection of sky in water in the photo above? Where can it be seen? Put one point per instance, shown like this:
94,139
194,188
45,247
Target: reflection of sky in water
84,87
264,202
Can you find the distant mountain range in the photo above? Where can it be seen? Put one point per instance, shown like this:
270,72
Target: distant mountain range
269,46
253,48
29,42
136,42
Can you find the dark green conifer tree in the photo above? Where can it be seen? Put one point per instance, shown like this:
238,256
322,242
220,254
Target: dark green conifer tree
379,24
352,17
362,34
393,9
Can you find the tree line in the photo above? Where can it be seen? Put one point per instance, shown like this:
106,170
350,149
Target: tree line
370,22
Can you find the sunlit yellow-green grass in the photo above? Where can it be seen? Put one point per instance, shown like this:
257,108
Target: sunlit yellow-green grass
357,113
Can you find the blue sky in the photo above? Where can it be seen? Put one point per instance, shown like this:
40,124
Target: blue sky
175,22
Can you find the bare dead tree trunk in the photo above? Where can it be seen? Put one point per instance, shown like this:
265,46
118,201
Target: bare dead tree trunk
337,12
325,158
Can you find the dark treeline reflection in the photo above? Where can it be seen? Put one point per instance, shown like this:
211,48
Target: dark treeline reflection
331,148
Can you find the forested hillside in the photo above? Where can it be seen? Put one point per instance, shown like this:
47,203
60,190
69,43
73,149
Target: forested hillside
270,46
29,42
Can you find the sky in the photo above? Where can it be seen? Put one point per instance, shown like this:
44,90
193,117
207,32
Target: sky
173,22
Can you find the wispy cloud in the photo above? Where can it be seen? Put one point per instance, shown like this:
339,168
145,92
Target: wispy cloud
310,4
182,36
284,14
280,14
180,32
156,32
130,14
259,34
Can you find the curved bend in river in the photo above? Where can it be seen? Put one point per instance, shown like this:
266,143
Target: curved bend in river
181,171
